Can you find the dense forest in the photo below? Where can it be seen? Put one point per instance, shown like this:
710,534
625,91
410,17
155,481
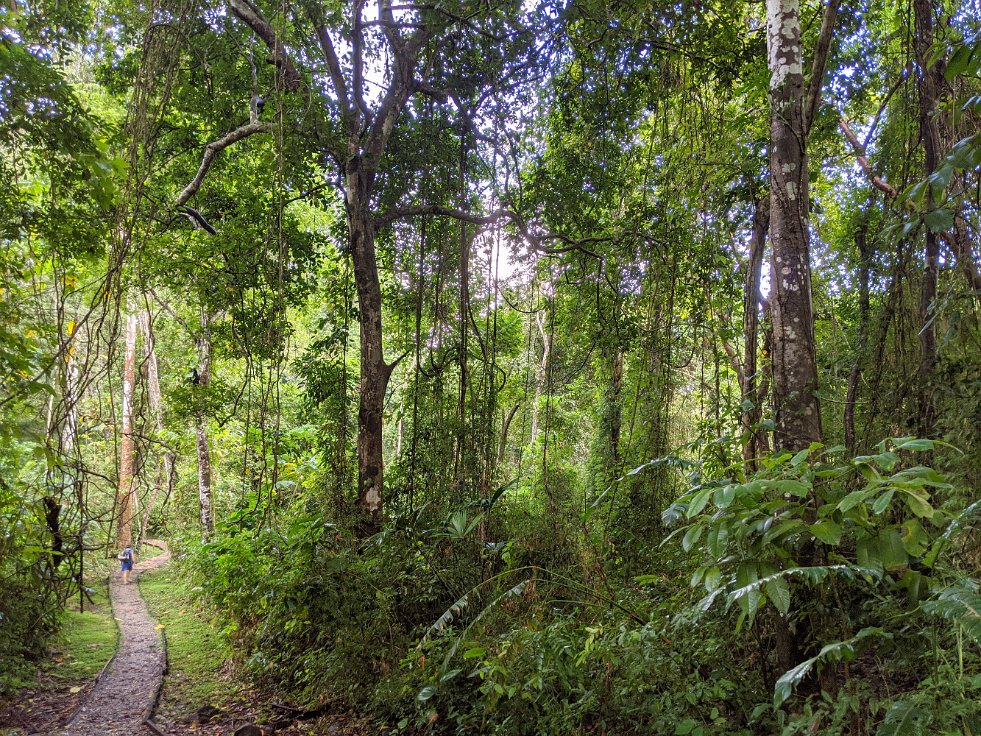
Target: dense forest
540,367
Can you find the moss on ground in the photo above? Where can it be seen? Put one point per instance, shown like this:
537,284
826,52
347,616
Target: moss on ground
196,649
85,643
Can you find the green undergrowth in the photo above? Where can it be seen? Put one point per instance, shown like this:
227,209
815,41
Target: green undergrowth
196,650
86,641
871,595
79,648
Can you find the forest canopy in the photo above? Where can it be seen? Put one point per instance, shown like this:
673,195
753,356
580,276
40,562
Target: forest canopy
507,367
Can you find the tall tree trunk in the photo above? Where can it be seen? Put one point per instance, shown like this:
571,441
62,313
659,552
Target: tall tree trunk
374,371
756,443
616,412
864,267
166,478
928,84
540,374
205,496
126,493
798,413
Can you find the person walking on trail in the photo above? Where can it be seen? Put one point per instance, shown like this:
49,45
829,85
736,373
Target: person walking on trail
126,562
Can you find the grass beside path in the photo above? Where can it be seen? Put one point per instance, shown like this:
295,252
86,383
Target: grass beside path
85,643
196,649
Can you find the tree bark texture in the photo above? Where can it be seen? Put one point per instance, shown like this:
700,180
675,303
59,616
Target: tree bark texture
126,493
756,440
865,253
374,371
166,478
929,134
205,496
798,414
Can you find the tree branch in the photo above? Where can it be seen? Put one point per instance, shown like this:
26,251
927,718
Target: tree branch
402,213
537,241
859,150
248,13
333,63
820,62
212,150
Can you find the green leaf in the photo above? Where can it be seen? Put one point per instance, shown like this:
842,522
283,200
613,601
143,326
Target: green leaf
475,653
790,486
852,500
892,554
778,592
782,529
800,457
426,693
914,444
883,501
835,652
713,577
958,62
918,504
716,540
692,536
685,727
904,718
698,502
915,539
827,531
961,606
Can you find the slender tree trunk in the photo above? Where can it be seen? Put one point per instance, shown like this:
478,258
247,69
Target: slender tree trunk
156,406
960,242
616,412
540,374
864,267
928,74
205,496
126,494
798,413
755,444
374,371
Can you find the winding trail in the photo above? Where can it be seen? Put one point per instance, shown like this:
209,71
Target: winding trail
125,694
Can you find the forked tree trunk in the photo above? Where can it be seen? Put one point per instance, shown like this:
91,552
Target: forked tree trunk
126,492
205,497
798,414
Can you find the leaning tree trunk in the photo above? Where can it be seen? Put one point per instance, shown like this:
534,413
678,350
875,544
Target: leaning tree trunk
798,414
928,73
374,371
205,498
126,493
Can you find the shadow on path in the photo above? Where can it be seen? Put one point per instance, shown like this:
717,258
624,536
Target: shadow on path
126,693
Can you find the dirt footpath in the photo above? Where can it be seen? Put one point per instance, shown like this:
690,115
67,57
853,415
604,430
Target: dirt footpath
123,697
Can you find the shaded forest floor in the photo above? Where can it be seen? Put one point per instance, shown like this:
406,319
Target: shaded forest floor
203,691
